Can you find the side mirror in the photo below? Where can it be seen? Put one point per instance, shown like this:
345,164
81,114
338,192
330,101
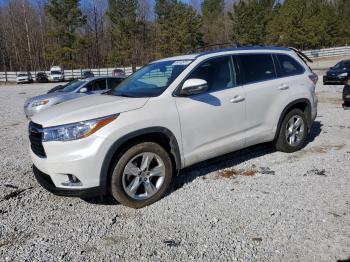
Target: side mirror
194,86
83,90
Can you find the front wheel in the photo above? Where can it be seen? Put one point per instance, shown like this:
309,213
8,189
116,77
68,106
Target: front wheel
293,132
141,175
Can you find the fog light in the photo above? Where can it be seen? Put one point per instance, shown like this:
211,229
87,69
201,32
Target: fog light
72,181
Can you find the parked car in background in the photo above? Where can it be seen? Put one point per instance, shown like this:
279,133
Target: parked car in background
24,77
75,89
56,74
87,74
338,74
170,114
41,77
346,93
118,73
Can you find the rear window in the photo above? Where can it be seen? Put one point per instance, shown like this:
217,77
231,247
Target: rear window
288,66
257,67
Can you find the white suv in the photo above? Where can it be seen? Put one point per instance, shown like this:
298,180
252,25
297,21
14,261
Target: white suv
171,114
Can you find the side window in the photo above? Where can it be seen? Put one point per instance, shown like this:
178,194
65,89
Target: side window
218,72
288,66
99,84
114,82
257,67
90,86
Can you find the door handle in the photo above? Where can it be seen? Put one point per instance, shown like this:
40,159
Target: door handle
283,87
237,99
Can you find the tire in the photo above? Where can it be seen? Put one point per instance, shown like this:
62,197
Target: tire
285,141
138,185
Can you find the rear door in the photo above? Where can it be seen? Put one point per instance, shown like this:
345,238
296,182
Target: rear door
262,89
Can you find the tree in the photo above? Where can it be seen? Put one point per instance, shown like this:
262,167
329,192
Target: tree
249,21
213,22
125,30
66,19
179,26
304,24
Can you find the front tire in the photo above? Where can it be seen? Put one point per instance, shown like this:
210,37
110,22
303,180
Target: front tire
293,132
142,175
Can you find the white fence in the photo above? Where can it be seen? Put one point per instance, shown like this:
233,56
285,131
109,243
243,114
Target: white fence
77,73
68,74
328,52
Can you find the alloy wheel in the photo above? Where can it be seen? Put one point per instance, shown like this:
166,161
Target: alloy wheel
143,176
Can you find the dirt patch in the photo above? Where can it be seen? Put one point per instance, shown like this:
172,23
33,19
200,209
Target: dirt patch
233,173
316,171
14,239
323,149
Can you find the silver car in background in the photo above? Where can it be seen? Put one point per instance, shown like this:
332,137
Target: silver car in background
75,89
24,77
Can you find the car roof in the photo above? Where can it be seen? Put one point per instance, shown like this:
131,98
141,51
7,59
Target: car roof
101,77
218,51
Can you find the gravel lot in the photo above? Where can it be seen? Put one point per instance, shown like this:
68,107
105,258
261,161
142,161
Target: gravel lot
251,205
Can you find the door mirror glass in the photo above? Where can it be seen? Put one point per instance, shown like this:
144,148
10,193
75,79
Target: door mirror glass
83,90
194,86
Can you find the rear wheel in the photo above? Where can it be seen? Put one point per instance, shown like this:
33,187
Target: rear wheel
293,132
141,175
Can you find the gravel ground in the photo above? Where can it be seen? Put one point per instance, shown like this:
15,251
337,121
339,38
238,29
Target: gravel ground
252,205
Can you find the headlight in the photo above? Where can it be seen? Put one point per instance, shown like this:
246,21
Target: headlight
76,130
40,103
343,75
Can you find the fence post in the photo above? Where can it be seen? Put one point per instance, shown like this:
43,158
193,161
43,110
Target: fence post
5,76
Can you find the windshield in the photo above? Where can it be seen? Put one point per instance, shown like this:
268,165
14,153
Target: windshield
151,80
56,72
342,64
22,75
71,86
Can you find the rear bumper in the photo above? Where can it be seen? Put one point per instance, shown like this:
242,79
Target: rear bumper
346,93
45,181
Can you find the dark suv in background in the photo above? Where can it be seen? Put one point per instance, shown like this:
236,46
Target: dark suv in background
338,74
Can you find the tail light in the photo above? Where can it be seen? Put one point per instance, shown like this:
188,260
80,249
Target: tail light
314,78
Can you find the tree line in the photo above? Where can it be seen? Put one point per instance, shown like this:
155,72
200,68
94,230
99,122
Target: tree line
100,33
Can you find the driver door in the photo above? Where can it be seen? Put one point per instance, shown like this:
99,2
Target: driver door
213,123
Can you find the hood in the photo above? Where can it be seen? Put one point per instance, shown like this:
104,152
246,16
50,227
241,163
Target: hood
87,107
333,72
57,96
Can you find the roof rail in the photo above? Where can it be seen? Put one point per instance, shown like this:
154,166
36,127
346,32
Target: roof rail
219,45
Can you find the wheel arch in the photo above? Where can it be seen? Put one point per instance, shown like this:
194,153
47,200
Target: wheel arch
161,135
303,104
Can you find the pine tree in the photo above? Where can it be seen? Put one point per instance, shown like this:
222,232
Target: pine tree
213,21
343,16
179,27
250,19
125,30
66,18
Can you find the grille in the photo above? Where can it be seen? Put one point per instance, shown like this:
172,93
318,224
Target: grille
36,139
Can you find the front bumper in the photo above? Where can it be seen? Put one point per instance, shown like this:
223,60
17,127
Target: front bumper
82,159
334,80
46,182
22,80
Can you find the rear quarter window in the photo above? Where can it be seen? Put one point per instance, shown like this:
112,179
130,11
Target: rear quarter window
288,66
257,67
